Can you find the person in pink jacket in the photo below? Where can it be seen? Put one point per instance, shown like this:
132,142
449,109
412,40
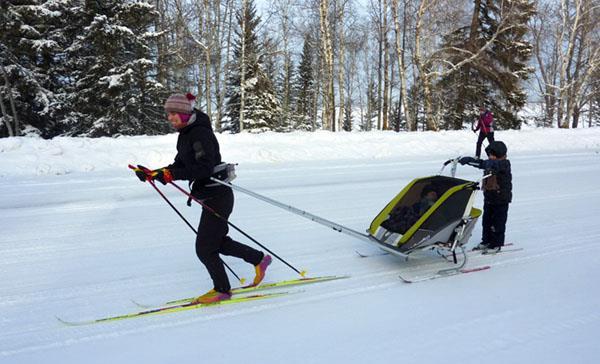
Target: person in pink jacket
485,125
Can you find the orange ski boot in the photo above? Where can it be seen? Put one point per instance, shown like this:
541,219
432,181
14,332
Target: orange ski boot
261,269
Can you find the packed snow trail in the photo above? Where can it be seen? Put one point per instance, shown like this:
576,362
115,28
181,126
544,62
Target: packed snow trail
84,244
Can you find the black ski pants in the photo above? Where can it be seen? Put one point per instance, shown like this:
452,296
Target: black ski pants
480,138
212,240
494,224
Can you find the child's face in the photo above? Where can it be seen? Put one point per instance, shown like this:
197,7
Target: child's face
431,196
492,157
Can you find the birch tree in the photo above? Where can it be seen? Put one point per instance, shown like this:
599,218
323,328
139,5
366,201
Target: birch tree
579,55
341,42
281,11
243,63
222,67
400,36
326,46
353,86
422,60
378,19
567,53
543,28
501,39
386,67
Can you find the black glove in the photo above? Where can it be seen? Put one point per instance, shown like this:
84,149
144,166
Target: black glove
139,172
466,160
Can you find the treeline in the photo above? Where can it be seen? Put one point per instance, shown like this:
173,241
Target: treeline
104,68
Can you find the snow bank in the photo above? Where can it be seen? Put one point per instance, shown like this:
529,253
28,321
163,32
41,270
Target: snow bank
63,155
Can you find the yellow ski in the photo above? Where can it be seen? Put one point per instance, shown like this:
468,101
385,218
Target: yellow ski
173,308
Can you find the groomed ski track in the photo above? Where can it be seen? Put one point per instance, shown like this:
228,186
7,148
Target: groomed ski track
82,246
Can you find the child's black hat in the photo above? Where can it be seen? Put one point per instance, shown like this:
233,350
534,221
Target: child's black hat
496,148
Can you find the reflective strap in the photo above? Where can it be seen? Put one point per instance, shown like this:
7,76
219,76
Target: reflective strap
223,172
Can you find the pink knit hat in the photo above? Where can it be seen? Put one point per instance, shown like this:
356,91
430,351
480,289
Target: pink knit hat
178,103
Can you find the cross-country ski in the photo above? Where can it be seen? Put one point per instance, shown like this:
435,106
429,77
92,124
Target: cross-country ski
172,308
261,287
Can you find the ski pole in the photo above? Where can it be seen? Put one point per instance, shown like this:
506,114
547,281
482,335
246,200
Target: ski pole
319,220
241,280
335,226
302,273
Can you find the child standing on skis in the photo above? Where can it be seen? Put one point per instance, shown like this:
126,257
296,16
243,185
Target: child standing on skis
197,155
497,192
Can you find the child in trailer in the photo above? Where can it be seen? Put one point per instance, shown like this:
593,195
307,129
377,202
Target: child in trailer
402,218
197,155
429,196
497,192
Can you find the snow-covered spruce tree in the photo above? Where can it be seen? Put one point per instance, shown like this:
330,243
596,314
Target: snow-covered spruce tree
495,77
111,63
261,108
461,92
32,36
509,57
303,89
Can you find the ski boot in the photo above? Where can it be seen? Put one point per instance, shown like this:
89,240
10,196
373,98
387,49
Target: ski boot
261,269
492,250
481,247
211,296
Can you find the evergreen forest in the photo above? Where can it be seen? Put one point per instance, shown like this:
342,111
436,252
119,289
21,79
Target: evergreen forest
104,68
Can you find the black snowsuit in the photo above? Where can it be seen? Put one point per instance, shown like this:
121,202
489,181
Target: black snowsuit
197,155
497,193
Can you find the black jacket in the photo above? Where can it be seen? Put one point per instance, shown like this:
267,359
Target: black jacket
197,155
497,189
503,193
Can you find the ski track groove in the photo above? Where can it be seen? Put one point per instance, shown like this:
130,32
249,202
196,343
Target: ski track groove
572,322
190,317
415,266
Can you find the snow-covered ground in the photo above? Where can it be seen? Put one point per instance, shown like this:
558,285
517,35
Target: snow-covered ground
82,237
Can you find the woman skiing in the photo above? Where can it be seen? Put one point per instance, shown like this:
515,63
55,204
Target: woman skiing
197,155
